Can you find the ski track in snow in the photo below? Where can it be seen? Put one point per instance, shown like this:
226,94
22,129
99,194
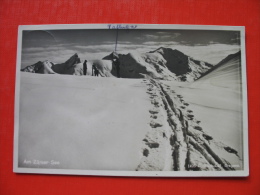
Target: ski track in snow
176,142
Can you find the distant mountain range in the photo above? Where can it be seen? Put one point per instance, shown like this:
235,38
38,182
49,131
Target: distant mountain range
162,63
47,67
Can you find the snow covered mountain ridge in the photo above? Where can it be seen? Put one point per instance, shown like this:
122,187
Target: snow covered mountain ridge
47,67
162,63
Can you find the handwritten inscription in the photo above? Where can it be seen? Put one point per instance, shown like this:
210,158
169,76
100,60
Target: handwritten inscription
120,26
41,162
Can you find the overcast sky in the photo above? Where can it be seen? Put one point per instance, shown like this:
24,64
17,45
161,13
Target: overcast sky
58,45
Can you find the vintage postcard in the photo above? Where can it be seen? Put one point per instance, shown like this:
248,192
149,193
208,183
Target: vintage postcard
131,100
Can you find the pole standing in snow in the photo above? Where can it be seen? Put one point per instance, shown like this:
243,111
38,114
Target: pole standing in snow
117,65
85,68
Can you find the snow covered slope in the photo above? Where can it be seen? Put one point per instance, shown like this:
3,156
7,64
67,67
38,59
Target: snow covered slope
216,101
226,74
89,123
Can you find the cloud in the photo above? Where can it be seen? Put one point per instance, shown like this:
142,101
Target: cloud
162,36
158,36
212,53
123,42
152,36
57,56
61,52
166,37
170,43
163,33
213,42
109,42
235,39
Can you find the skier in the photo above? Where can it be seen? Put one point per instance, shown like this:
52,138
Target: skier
85,68
95,70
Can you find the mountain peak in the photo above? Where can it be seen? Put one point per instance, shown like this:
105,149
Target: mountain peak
162,50
111,56
74,59
229,57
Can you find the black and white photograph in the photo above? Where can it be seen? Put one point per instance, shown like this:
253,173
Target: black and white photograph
131,100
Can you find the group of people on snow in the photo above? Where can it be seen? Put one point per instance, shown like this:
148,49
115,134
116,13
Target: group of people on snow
95,71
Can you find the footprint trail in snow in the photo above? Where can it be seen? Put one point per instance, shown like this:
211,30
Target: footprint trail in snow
175,140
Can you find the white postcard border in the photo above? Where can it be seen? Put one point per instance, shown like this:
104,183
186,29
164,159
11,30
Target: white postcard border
242,173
